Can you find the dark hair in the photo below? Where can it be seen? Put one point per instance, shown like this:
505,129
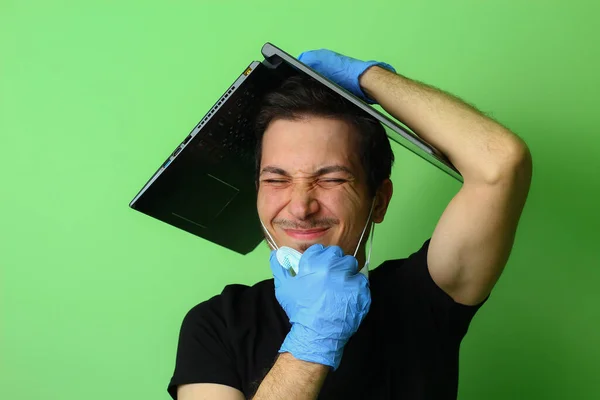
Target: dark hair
300,96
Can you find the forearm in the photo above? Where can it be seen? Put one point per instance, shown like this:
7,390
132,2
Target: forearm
292,379
481,149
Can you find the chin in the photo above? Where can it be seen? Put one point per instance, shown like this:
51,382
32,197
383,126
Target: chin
302,247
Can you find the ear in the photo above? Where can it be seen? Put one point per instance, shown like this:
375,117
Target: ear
382,200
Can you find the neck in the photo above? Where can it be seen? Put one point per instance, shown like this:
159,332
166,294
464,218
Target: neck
361,258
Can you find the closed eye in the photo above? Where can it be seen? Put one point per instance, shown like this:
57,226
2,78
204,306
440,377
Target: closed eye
331,182
275,180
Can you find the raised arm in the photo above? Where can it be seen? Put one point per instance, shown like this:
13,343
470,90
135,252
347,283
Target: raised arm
473,239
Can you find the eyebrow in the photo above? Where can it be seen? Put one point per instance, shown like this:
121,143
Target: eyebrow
321,171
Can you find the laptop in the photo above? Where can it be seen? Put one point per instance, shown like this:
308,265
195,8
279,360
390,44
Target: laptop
206,186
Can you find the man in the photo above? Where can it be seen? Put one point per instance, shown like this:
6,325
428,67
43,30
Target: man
331,332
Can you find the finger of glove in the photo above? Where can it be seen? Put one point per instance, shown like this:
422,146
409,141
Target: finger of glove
334,251
309,259
279,273
313,250
318,258
319,55
347,265
338,68
310,58
324,61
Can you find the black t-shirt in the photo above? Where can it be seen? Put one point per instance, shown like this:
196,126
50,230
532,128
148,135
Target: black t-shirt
406,347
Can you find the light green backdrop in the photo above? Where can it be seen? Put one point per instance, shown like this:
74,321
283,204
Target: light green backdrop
93,96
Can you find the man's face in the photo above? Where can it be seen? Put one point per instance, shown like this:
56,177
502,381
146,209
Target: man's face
312,186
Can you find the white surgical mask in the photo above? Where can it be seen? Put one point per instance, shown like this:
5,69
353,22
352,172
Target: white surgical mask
289,258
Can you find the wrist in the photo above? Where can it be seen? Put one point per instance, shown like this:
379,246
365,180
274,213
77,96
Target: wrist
291,378
307,345
306,366
369,78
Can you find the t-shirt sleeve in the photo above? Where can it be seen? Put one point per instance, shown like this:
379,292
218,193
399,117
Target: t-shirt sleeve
409,283
203,354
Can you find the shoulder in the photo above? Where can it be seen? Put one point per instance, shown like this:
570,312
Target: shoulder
413,272
406,285
404,279
413,266
211,338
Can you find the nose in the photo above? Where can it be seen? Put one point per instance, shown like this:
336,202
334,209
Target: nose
303,203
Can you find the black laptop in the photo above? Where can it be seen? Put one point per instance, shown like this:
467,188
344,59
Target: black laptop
206,186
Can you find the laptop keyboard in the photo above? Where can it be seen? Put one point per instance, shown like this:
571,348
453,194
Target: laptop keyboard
230,134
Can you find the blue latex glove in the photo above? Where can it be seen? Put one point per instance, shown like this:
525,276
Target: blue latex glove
325,302
343,70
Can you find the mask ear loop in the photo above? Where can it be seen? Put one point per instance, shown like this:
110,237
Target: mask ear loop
270,239
370,245
364,229
365,269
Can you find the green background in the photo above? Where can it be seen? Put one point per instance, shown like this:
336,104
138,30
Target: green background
95,95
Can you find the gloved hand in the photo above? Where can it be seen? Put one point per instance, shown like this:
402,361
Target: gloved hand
325,302
343,70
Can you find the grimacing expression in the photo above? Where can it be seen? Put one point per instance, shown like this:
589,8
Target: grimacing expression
312,187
